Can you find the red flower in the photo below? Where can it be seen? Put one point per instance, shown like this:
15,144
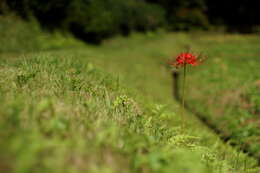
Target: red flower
184,59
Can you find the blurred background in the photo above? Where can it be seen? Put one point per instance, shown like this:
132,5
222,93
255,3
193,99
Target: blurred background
95,20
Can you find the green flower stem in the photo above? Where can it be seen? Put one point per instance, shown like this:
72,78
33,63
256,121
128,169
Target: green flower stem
183,97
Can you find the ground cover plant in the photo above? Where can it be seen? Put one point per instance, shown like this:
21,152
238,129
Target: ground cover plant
60,114
103,108
227,90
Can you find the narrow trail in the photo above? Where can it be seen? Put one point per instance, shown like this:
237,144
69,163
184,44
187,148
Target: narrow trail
223,135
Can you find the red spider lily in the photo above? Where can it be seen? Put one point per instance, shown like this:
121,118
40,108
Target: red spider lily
184,59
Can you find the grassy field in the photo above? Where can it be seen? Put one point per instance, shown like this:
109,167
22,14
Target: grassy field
107,108
227,88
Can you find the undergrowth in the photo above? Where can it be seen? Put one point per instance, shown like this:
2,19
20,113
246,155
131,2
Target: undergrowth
59,112
63,115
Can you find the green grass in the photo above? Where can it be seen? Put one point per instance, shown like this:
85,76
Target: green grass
64,115
226,88
103,109
20,37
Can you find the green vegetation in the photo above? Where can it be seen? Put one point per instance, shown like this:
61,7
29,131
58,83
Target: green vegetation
227,88
90,21
19,36
96,20
83,108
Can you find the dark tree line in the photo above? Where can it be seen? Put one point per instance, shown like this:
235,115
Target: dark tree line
94,20
239,15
